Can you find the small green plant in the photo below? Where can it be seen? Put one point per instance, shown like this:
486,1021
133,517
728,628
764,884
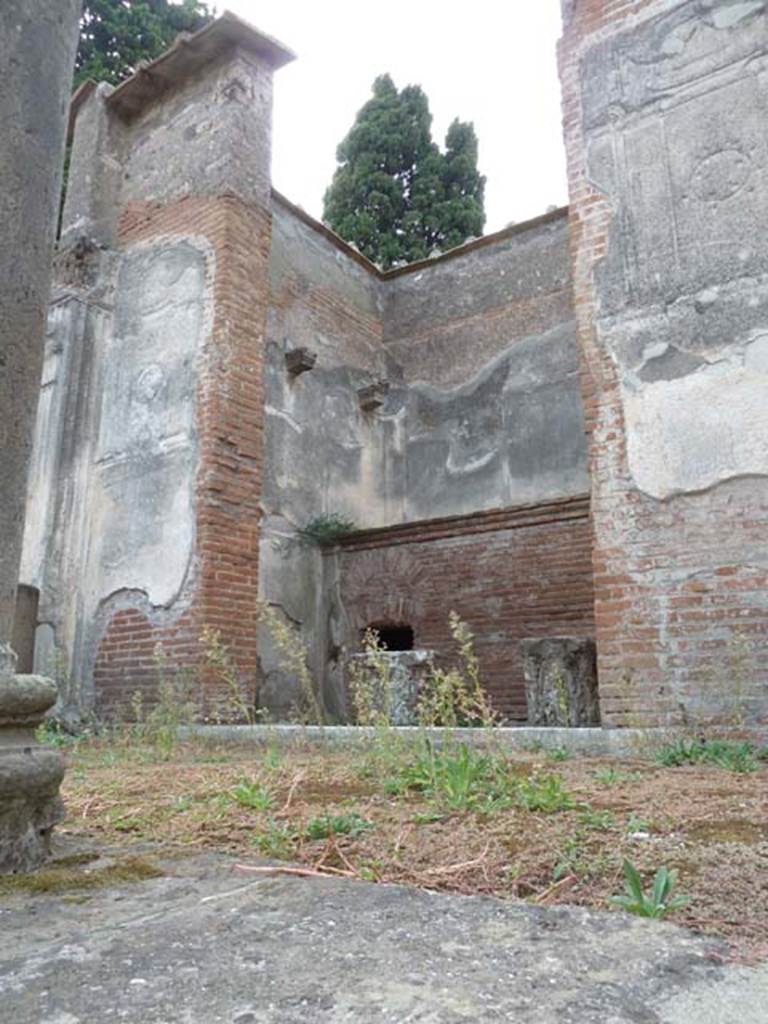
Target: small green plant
559,754
573,858
733,755
455,697
636,824
51,734
129,823
293,660
255,795
326,529
544,793
613,776
600,820
658,902
349,824
456,778
276,840
427,817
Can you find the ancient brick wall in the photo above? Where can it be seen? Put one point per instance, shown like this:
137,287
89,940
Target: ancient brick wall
483,412
509,574
663,104
223,584
150,447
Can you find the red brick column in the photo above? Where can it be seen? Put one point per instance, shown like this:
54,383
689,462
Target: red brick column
680,605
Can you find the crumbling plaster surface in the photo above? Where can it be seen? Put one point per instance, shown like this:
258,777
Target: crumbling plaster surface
484,408
675,115
443,322
111,496
485,344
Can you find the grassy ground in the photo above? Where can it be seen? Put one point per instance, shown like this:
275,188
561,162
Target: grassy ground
544,828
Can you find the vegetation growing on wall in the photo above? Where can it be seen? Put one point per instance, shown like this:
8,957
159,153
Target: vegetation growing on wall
327,529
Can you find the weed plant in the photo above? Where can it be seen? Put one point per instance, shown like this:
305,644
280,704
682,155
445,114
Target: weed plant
276,840
455,697
658,902
235,705
733,755
613,776
255,795
453,778
159,725
326,529
544,793
349,824
293,660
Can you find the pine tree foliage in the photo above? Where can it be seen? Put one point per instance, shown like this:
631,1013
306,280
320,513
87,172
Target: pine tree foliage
116,34
394,194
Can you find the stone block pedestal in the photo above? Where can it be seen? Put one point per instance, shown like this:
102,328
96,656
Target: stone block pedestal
407,671
561,681
30,774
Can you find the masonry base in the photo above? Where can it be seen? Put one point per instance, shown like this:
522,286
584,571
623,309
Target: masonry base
585,742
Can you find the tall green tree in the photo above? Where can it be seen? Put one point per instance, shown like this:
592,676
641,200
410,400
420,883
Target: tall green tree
116,34
394,194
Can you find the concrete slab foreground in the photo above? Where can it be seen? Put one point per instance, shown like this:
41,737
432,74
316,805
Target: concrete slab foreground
206,945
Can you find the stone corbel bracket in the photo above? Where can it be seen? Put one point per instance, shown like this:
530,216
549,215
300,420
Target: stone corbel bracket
299,360
372,396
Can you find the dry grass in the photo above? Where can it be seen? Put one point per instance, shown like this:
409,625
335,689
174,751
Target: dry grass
710,824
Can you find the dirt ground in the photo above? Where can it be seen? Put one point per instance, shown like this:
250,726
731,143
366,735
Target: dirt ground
358,812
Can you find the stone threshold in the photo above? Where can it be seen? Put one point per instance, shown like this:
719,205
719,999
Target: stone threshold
595,742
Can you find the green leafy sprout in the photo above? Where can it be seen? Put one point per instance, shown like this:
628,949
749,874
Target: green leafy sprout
658,902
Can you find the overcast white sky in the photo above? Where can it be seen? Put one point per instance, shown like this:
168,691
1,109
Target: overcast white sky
487,61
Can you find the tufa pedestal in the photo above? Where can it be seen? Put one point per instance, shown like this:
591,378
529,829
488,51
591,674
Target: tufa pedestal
30,774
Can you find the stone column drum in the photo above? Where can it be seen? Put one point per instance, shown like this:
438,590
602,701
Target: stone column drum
30,774
38,39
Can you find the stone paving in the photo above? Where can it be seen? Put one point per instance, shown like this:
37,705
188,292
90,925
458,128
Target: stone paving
206,943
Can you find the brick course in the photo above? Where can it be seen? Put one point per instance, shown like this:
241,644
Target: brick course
508,573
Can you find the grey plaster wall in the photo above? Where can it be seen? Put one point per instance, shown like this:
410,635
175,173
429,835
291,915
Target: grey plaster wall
485,347
146,453
484,408
675,114
99,145
111,494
